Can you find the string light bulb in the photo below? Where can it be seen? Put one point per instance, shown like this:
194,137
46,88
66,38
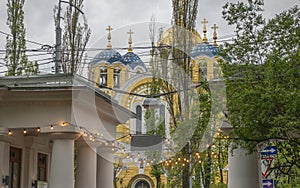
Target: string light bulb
25,131
51,127
9,132
38,129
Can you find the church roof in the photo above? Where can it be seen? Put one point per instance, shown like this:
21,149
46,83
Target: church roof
167,37
108,55
132,60
204,49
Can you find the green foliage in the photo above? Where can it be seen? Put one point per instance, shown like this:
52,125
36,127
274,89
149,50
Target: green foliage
15,58
118,167
219,185
263,81
75,37
155,126
210,164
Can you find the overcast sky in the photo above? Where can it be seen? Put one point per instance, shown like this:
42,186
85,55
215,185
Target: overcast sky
121,15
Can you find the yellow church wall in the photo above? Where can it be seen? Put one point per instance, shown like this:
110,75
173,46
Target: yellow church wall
132,171
123,133
95,70
195,72
127,100
210,68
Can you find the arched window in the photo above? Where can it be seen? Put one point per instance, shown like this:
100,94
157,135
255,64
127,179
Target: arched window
138,120
117,78
142,184
203,68
217,70
103,76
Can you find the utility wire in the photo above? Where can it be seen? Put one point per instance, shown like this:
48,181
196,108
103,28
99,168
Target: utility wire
141,95
30,41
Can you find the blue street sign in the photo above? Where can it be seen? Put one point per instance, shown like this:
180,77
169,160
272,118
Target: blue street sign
268,183
270,150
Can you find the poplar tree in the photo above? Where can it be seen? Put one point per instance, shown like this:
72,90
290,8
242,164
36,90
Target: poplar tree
75,37
15,58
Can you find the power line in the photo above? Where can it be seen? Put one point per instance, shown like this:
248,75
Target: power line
30,41
89,49
141,95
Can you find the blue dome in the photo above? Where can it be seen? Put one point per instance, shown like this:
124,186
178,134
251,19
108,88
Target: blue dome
204,49
108,55
133,60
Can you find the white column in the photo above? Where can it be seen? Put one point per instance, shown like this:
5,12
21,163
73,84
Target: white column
4,161
86,171
62,164
243,169
105,168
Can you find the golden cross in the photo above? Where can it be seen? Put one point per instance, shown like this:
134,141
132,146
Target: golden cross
130,33
109,29
130,40
109,36
204,22
215,27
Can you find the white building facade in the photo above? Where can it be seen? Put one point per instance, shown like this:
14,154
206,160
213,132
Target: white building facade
42,120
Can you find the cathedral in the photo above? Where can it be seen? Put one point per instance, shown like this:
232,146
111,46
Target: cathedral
102,122
127,79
